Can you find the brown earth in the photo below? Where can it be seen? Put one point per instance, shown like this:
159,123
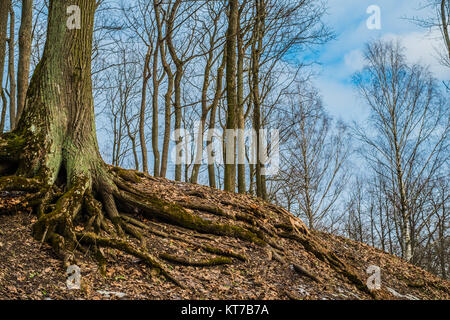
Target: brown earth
296,264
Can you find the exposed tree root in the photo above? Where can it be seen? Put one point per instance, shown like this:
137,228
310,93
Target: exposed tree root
176,214
96,208
122,245
330,258
197,263
16,183
80,212
206,208
299,269
209,249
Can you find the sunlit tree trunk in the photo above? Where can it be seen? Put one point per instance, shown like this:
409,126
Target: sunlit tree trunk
23,65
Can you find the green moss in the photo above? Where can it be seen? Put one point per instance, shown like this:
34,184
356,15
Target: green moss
285,227
199,263
228,253
176,214
17,183
127,175
11,145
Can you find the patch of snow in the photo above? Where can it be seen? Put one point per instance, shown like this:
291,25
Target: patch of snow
111,293
302,291
399,295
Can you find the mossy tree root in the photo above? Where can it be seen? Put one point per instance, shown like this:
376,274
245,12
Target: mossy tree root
81,211
176,214
86,218
122,245
330,258
210,249
216,261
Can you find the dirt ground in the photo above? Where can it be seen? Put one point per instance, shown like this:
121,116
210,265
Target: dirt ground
30,270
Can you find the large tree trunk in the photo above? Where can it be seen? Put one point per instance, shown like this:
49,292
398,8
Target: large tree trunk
59,109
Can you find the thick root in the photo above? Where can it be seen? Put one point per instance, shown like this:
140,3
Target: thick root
197,263
16,183
330,258
173,213
91,238
57,227
226,253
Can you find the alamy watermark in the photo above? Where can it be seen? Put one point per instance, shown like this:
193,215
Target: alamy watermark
240,146
374,21
73,281
74,19
374,280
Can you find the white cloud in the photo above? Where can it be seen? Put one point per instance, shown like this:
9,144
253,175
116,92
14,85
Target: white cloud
354,60
422,47
341,100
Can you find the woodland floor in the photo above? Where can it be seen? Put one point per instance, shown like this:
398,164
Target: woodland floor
29,270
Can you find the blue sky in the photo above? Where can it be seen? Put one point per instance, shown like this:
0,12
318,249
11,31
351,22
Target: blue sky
340,58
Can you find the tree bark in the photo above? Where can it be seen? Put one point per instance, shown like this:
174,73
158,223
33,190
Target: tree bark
167,96
155,129
179,65
145,77
11,69
256,55
4,12
23,66
59,110
240,110
230,151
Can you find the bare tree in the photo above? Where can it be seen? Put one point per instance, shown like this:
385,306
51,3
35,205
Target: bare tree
410,125
439,20
230,154
315,154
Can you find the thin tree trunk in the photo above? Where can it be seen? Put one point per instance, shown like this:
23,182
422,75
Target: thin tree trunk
212,120
444,21
4,12
11,69
240,112
230,150
256,54
145,77
168,95
204,115
23,66
4,107
178,76
155,131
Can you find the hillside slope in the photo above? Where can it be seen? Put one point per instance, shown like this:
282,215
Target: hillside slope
292,263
